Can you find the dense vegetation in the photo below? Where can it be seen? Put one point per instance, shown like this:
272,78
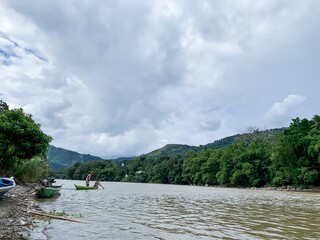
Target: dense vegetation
289,156
23,146
60,158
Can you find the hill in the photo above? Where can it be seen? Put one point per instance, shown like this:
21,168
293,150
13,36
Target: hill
60,158
175,149
169,150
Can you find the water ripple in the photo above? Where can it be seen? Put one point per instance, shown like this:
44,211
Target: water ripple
150,211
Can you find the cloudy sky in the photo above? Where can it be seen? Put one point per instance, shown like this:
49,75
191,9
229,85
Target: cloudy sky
125,77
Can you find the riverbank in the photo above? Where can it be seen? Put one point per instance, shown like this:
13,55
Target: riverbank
283,188
15,219
289,188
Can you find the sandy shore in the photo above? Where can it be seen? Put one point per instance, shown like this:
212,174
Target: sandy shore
15,219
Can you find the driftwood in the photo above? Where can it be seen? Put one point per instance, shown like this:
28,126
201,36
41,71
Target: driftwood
57,217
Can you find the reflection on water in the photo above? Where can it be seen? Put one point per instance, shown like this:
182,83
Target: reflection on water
154,211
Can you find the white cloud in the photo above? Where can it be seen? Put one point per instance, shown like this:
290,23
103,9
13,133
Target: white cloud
284,111
123,78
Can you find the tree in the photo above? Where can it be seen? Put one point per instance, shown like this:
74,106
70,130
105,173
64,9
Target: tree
175,170
191,167
295,157
160,173
3,106
315,122
211,167
21,139
227,163
314,137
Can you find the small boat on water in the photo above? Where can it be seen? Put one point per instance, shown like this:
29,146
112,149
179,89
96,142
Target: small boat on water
48,190
79,187
6,184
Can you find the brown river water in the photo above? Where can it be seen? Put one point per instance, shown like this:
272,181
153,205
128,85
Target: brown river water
156,211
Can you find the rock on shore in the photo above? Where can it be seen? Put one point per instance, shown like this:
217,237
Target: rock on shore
15,219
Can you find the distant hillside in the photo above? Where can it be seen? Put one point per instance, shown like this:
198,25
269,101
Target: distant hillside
175,149
169,150
60,158
221,143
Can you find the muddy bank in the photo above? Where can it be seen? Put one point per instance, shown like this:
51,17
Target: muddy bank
15,220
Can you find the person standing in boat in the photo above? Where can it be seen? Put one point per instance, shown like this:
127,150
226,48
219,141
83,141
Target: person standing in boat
88,179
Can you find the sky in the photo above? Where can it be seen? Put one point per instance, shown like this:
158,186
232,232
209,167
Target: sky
126,77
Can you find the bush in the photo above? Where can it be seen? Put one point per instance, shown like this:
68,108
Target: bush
278,180
310,177
30,171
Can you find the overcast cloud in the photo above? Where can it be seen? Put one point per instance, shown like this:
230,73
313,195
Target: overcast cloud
123,78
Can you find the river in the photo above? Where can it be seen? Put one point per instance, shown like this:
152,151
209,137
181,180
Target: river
155,211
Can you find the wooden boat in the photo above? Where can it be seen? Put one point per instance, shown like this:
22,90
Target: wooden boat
79,187
48,190
6,184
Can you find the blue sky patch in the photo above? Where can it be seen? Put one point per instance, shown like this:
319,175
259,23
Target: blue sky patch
36,53
7,52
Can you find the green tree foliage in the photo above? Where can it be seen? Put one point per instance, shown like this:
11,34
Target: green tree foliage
226,166
160,172
289,156
211,167
191,166
175,170
254,160
3,106
70,172
295,160
21,140
314,137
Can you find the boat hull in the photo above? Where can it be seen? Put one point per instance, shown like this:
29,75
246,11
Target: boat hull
6,184
79,187
47,192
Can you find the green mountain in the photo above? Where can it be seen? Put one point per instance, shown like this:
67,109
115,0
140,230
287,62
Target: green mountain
60,158
169,150
176,149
